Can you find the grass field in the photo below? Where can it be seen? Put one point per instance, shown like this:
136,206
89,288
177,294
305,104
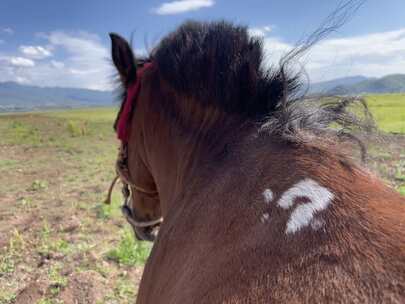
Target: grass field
58,242
388,111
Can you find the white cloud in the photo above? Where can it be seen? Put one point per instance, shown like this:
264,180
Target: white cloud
35,52
85,59
1,41
21,80
80,60
86,64
373,55
260,31
57,64
182,6
140,52
8,30
21,62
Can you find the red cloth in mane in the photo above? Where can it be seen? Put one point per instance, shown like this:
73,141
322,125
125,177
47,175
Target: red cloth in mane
132,94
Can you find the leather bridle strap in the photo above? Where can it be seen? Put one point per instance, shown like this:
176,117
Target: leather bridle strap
129,212
131,216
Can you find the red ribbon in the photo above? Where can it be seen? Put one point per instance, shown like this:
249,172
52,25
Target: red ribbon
132,95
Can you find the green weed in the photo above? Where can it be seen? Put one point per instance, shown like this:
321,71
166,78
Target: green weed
7,297
7,264
400,171
57,281
49,301
10,256
26,203
38,185
48,245
7,164
129,252
24,134
17,242
108,211
123,291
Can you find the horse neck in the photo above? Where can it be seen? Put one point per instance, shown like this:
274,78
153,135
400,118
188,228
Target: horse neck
183,144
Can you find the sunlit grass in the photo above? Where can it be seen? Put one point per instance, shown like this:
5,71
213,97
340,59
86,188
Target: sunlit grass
388,111
106,114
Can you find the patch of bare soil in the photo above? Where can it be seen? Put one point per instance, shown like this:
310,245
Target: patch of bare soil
84,288
53,239
20,222
32,293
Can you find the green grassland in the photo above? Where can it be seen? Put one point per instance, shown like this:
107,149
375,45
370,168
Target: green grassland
388,111
58,242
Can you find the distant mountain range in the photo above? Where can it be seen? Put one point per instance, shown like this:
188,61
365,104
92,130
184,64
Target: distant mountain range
361,85
18,97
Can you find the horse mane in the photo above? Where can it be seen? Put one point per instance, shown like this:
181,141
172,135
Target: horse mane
219,64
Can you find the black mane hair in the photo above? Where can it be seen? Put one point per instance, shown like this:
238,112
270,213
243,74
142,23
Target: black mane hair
219,64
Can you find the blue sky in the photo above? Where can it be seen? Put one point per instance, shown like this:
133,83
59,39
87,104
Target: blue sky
65,43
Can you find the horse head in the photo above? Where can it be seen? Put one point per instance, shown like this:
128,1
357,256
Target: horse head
142,203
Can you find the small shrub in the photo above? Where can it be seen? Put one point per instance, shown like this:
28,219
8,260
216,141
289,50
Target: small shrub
16,242
77,129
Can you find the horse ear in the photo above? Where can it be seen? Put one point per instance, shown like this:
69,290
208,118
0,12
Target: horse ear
123,58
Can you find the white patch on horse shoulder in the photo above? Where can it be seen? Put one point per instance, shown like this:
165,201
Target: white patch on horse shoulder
268,196
265,217
319,199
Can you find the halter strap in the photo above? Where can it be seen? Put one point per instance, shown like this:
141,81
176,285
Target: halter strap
127,210
132,95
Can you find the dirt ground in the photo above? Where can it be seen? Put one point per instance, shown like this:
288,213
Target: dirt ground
58,242
57,238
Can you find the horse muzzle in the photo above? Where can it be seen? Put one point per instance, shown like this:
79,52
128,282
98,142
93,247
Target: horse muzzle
144,230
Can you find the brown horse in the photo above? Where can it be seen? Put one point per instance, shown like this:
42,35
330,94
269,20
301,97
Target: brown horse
259,203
